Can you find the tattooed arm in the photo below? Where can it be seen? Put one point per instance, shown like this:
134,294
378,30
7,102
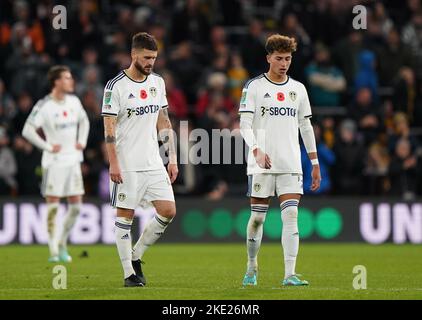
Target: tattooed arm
165,131
110,140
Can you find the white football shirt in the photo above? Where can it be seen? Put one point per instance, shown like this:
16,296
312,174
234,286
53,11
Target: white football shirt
136,105
59,121
277,108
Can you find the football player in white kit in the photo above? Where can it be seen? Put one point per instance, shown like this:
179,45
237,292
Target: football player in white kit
134,108
65,124
273,109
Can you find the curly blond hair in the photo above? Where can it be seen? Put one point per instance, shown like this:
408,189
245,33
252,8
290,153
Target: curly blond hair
280,43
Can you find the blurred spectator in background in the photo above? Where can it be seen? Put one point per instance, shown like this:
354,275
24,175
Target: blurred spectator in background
85,30
158,30
237,76
28,161
326,159
401,131
391,57
253,49
218,45
90,103
7,104
412,36
92,154
216,111
346,52
404,97
380,19
185,67
8,167
25,69
328,127
328,22
33,28
376,20
90,60
216,89
292,28
367,115
350,154
119,60
125,19
403,171
388,114
231,12
215,116
189,23
325,81
220,64
24,107
402,11
376,169
178,106
91,82
62,56
366,76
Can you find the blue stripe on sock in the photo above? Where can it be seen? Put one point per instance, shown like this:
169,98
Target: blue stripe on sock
289,203
259,210
163,223
123,226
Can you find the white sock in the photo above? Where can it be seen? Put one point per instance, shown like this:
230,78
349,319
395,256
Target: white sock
290,235
254,235
51,228
124,244
152,232
71,215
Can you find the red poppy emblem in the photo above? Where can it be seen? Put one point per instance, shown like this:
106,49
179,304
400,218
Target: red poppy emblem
143,94
280,96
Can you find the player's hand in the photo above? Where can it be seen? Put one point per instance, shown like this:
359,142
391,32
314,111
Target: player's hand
316,178
115,173
79,146
173,171
262,159
56,148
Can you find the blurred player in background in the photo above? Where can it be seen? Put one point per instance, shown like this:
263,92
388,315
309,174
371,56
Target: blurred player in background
273,109
134,108
65,125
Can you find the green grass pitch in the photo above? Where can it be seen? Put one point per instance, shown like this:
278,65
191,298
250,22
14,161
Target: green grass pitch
215,271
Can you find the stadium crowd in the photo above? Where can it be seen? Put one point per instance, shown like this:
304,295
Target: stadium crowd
365,86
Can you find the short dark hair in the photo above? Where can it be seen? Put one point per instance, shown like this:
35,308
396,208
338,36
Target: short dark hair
55,73
143,40
280,43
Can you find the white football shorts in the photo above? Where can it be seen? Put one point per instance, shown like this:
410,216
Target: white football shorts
264,185
59,181
140,188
